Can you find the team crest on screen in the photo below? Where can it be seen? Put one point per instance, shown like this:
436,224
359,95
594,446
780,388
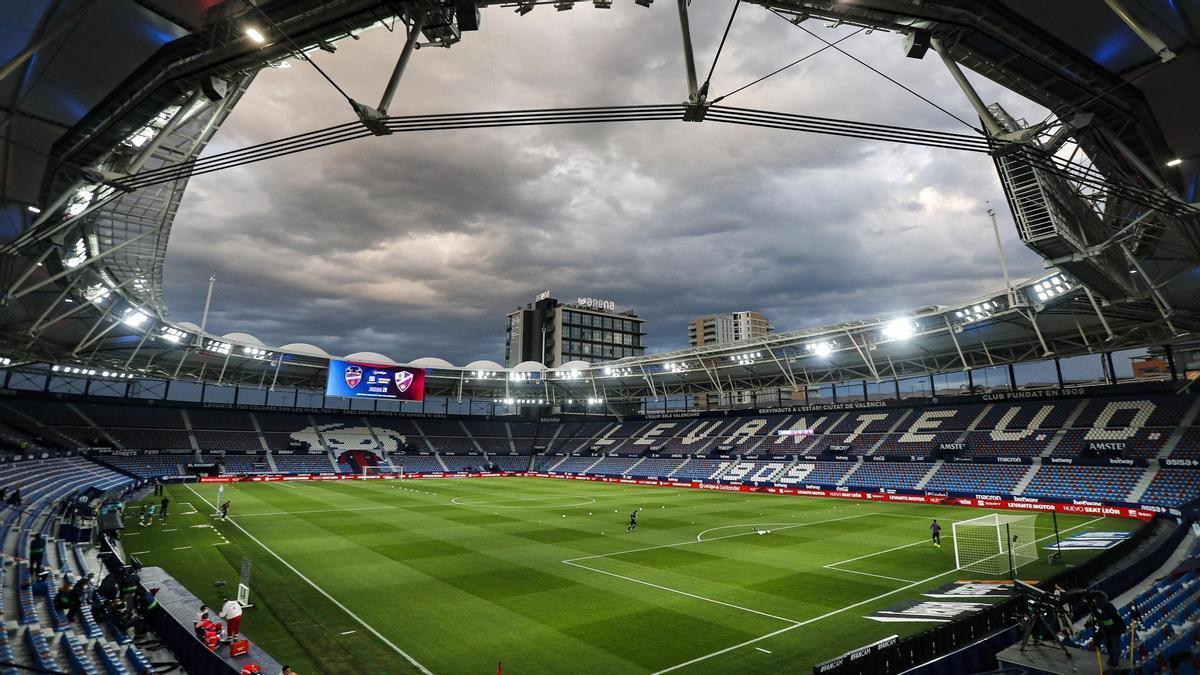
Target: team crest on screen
353,376
404,380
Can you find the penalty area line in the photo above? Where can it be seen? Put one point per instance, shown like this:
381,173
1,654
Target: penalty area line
835,612
322,591
684,593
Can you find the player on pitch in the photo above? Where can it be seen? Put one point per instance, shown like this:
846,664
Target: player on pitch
936,530
633,520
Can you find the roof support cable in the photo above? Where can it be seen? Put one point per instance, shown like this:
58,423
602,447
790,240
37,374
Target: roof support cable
780,70
716,57
299,52
877,71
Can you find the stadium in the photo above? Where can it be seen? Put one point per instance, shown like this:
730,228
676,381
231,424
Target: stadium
1002,481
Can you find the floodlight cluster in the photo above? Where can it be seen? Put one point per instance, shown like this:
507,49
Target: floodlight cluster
680,367
483,374
171,334
134,317
77,256
747,359
520,377
568,374
80,200
900,329
617,372
5,361
96,293
76,370
526,6
257,353
1051,288
218,347
977,312
821,349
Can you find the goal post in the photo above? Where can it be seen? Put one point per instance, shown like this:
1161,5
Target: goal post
375,472
995,544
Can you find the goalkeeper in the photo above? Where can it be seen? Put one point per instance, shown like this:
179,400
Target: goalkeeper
936,530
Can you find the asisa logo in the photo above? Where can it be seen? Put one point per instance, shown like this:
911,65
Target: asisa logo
404,380
353,376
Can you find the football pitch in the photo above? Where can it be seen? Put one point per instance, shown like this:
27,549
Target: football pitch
455,575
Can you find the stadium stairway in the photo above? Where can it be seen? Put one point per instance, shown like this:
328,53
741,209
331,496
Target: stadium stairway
424,438
474,442
191,433
677,469
1139,488
1019,488
633,466
1189,418
882,437
1061,432
262,440
932,470
97,429
849,474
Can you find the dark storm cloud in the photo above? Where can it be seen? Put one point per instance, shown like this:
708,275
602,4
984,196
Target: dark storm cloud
418,244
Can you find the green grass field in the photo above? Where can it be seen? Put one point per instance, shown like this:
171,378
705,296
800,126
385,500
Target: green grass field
455,575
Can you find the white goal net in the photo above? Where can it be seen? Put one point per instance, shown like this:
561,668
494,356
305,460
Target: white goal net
995,543
376,472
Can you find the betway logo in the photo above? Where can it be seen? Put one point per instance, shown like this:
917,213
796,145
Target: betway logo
1084,502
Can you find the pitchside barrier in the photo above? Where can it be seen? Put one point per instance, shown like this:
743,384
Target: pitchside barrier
1017,503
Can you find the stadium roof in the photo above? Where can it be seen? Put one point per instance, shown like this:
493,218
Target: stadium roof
95,95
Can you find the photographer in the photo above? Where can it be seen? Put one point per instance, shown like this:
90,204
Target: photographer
1107,623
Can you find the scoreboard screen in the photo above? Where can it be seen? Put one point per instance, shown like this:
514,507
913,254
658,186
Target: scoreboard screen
365,380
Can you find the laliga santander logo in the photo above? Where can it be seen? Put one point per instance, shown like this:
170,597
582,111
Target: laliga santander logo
353,376
404,380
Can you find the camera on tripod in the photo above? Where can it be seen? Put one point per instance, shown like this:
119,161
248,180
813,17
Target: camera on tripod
1043,616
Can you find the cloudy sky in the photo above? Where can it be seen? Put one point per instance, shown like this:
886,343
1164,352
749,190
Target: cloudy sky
418,244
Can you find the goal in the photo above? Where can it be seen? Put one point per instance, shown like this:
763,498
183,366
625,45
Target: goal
995,544
376,472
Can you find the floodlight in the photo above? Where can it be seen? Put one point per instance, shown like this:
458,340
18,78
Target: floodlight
78,254
821,349
644,3
33,209
1175,162
5,361
524,7
255,35
899,329
80,201
134,318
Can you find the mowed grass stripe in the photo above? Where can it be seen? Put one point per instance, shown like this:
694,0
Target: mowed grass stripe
460,587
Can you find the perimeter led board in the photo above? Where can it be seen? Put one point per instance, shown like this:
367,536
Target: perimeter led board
365,380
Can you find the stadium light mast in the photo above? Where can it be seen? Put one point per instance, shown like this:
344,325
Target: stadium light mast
1008,287
212,279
